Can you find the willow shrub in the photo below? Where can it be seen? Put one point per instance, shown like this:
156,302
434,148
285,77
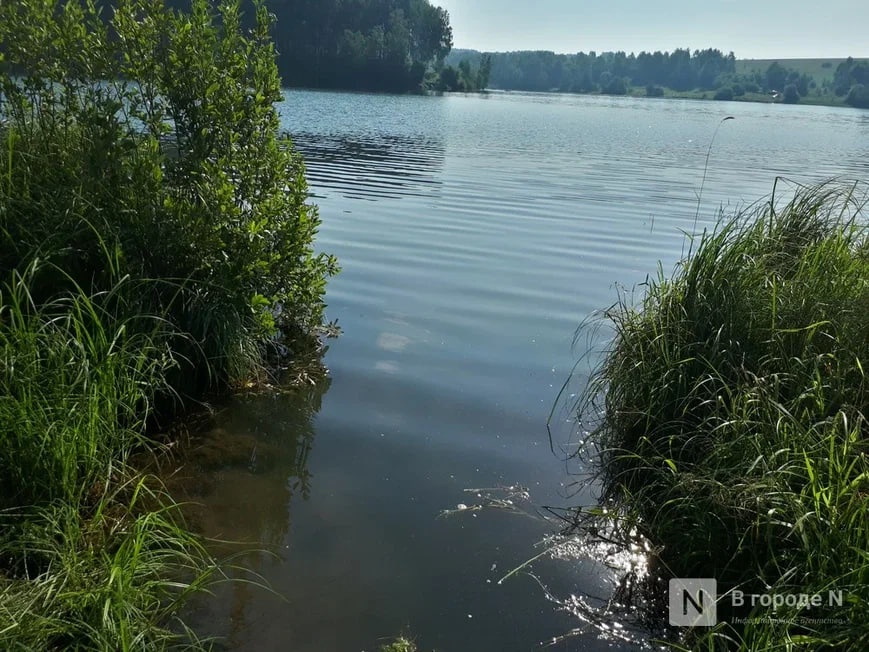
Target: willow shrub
151,135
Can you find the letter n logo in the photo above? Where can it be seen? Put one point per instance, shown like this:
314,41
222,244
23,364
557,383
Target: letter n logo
692,602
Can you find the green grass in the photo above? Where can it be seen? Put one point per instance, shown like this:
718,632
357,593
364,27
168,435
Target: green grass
821,69
728,417
92,556
77,380
112,579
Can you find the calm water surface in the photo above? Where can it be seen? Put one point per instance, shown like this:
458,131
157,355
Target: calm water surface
475,234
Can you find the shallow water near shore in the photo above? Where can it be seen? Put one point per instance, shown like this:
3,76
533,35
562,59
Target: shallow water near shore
475,234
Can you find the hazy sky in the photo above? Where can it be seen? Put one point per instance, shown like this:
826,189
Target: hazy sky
751,28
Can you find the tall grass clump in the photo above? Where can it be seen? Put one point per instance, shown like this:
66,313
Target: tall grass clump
115,579
92,555
727,419
77,381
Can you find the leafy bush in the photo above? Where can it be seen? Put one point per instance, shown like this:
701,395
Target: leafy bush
155,136
725,94
654,91
790,95
858,96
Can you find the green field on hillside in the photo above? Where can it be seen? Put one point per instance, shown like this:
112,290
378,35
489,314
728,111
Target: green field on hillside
820,69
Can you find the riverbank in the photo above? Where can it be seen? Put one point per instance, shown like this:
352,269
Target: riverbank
639,92
761,98
728,423
666,93
698,74
156,248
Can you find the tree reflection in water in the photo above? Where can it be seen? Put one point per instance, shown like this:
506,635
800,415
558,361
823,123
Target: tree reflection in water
238,480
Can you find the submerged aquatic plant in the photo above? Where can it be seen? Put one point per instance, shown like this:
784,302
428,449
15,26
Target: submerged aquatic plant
401,644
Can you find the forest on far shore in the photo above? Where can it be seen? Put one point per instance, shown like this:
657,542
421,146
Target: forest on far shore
395,46
406,46
709,73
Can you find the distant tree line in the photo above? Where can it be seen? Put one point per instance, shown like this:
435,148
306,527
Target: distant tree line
610,72
463,78
617,73
406,45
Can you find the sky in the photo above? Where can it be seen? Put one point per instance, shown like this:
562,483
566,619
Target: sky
752,29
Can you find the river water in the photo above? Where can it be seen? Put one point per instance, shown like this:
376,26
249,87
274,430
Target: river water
475,234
